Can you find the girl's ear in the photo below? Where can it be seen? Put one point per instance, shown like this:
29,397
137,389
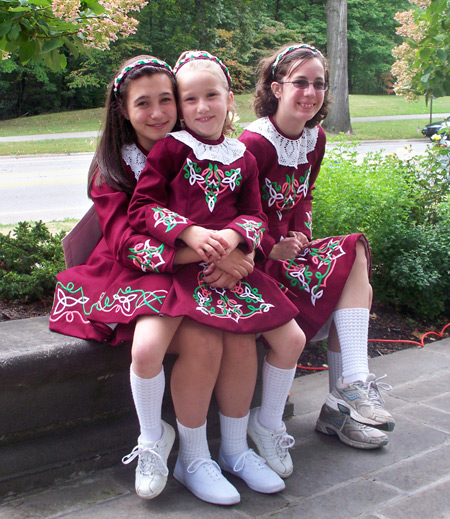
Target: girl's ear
276,89
230,101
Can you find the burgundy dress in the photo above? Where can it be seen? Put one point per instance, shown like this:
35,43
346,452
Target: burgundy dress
214,184
88,297
288,169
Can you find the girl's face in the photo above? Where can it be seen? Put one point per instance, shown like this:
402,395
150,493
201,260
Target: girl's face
204,103
151,108
297,106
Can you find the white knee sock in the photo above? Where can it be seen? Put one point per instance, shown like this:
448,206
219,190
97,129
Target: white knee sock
193,443
233,434
352,326
276,385
148,396
334,359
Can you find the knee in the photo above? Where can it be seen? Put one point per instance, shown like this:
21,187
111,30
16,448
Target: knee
144,355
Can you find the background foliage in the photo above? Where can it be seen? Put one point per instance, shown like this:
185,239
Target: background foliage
239,31
402,205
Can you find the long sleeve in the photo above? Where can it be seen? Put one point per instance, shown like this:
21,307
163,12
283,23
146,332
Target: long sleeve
148,211
131,249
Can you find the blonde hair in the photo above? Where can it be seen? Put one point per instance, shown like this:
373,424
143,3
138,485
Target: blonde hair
213,67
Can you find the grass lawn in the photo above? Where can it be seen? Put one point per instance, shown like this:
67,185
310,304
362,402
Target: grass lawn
90,120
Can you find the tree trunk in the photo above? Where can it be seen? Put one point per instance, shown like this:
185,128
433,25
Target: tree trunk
338,118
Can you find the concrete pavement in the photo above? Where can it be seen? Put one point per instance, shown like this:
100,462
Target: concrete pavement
409,478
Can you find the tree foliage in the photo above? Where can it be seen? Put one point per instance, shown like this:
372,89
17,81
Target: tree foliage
239,31
38,29
422,66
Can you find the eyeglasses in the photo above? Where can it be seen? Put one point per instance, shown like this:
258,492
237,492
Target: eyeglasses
303,84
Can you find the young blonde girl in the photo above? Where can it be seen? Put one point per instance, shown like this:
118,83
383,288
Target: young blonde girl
199,186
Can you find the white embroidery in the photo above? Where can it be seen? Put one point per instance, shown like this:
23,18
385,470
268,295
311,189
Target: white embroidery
226,152
134,158
291,152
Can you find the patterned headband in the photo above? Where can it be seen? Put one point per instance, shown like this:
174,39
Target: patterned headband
152,62
291,49
203,55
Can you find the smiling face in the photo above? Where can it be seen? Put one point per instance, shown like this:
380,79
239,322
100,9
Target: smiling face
204,102
297,106
151,108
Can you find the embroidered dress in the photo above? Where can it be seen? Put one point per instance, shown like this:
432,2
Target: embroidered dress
214,184
104,290
288,169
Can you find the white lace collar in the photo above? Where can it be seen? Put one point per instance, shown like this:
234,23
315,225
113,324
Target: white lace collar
134,158
291,152
228,151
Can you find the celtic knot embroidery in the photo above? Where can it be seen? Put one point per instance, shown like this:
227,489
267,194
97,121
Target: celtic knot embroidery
146,256
212,180
254,231
167,218
286,196
242,302
324,260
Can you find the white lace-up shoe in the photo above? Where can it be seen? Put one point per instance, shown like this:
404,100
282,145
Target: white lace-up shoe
272,445
151,470
205,480
253,470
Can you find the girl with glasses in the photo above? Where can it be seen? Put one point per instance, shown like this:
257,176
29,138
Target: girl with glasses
330,276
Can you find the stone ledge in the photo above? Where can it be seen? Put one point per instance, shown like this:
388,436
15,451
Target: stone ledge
67,406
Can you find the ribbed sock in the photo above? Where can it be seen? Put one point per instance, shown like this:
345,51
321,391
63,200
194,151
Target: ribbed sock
148,395
276,385
352,326
334,359
233,434
193,443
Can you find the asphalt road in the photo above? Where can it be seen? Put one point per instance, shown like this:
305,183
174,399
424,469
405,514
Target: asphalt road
53,187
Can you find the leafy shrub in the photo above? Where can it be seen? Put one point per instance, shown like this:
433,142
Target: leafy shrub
30,258
401,203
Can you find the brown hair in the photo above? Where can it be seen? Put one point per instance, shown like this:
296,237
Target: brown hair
118,131
265,102
214,68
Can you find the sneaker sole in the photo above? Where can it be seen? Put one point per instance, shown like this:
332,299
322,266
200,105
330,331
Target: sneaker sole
331,431
340,405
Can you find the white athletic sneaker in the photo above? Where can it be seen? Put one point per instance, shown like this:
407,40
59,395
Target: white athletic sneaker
349,431
253,470
205,480
362,401
151,470
272,445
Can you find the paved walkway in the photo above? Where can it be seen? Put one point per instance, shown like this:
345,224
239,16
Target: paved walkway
408,479
74,135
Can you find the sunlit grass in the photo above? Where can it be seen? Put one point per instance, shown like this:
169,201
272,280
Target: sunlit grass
54,227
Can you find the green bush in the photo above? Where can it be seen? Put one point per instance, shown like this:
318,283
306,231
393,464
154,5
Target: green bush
30,258
402,205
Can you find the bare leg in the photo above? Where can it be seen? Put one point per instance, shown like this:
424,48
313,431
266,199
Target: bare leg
152,336
237,377
286,345
195,371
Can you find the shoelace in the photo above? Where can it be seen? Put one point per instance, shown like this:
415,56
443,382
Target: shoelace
361,426
149,460
283,442
211,466
373,392
249,455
